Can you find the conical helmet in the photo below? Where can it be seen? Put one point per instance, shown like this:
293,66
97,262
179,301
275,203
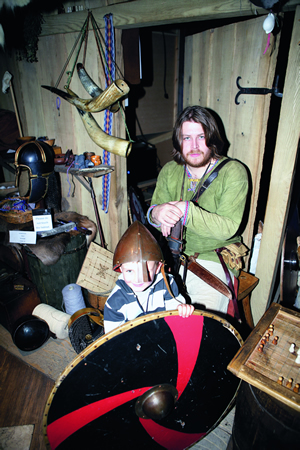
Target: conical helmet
137,245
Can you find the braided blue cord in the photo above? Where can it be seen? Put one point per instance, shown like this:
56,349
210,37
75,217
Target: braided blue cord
108,116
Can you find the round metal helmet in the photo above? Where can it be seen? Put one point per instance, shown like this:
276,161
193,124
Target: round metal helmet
30,332
34,163
137,245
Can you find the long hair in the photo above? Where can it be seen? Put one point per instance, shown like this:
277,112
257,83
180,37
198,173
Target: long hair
200,115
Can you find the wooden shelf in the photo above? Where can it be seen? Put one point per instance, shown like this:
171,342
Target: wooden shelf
92,172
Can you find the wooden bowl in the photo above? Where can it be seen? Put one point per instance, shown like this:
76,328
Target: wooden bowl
50,142
57,150
22,140
15,216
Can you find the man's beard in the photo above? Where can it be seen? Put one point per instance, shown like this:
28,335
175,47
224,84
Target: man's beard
202,163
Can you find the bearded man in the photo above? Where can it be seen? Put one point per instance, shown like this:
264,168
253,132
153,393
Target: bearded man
211,217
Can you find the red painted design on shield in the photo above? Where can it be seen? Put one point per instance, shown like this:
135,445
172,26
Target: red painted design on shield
62,428
187,334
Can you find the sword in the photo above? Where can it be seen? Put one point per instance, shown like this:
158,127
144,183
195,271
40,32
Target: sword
61,229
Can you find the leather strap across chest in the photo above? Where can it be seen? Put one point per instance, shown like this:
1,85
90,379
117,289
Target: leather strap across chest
209,180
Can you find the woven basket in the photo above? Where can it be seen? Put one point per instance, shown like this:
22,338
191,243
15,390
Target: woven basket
15,216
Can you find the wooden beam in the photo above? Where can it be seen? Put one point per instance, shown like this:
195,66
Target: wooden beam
142,13
282,176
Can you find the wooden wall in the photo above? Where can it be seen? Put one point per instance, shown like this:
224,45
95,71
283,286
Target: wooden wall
214,59
39,117
157,113
282,178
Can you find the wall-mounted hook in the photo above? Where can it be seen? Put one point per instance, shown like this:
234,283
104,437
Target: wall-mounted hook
256,91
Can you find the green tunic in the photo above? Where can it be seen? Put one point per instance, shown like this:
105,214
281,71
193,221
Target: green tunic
214,222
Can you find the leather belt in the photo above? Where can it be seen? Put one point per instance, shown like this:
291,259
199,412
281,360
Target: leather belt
209,278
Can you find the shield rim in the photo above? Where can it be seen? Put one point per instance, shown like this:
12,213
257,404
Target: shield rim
120,330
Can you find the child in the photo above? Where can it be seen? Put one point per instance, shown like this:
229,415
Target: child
141,288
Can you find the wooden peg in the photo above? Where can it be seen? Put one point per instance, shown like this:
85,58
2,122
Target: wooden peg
292,348
280,380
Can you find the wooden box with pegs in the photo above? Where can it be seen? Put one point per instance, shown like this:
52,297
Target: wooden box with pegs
269,359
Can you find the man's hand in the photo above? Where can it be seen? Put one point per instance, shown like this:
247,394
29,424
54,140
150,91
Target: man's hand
185,310
167,215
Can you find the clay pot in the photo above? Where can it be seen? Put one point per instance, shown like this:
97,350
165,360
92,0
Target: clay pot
88,155
96,160
59,159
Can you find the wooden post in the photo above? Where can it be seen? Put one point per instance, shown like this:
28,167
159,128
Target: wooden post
281,180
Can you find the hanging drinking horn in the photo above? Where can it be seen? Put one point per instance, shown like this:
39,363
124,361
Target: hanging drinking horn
108,97
112,144
91,87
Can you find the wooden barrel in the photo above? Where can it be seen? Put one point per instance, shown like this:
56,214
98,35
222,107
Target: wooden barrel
98,299
50,280
262,422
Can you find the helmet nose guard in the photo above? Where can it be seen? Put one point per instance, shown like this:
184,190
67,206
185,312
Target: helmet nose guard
137,245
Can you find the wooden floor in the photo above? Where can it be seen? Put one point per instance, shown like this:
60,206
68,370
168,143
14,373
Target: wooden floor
23,395
24,392
220,437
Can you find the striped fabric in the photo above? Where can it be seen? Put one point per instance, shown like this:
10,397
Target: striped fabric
123,304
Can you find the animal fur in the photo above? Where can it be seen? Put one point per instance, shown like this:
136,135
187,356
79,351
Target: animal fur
49,250
10,4
82,221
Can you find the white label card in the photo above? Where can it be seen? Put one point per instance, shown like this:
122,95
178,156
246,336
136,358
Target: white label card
22,237
42,222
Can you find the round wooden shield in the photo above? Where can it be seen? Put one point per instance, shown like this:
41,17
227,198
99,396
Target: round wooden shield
98,400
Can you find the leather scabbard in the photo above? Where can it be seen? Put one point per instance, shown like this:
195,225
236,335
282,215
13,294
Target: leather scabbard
209,277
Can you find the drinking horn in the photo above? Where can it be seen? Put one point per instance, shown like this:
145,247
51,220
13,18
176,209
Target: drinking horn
108,97
112,144
91,87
